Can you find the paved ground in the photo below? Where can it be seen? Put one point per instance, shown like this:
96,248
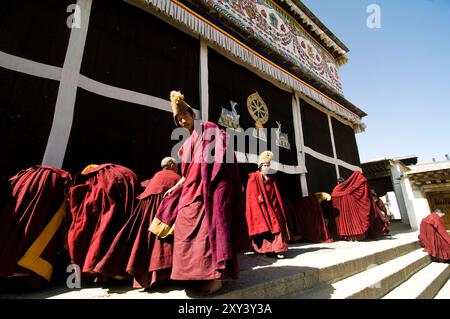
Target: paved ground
301,257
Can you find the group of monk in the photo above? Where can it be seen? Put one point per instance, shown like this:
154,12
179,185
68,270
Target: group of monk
186,225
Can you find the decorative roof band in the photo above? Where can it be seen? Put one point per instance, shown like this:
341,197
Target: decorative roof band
208,30
276,28
317,30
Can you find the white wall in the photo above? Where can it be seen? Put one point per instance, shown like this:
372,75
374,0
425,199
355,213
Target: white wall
416,204
390,200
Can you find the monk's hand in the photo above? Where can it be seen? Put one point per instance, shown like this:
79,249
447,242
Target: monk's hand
167,193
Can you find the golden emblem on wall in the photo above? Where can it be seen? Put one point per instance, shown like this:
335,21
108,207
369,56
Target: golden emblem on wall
259,112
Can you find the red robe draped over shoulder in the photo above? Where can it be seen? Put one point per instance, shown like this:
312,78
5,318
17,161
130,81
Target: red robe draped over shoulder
31,223
434,237
265,215
101,201
352,210
131,250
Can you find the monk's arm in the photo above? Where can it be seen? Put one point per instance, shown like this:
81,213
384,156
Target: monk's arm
170,190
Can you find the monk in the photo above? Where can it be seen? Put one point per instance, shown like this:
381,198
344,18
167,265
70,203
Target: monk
433,236
381,224
31,225
352,208
266,217
101,200
131,252
208,229
313,225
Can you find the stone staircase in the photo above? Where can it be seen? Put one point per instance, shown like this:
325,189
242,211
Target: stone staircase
395,268
400,272
386,268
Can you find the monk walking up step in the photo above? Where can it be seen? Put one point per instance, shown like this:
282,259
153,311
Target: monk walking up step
265,213
434,237
132,251
101,200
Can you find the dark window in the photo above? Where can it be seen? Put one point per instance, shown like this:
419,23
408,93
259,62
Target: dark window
130,48
345,142
321,176
35,30
105,130
345,172
316,130
27,106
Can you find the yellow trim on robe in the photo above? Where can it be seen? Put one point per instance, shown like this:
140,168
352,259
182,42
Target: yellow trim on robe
160,229
88,168
32,258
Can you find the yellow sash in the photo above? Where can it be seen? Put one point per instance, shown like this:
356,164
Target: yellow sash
31,259
160,229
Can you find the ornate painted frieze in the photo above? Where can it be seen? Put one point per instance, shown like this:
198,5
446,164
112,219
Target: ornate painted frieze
274,27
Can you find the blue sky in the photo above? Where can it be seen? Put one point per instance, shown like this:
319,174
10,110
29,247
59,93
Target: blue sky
398,74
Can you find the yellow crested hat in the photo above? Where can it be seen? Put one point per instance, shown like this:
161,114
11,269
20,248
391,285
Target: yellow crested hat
179,106
265,157
323,196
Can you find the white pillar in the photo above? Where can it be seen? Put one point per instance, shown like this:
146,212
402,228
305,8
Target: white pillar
299,142
65,101
204,93
333,145
396,176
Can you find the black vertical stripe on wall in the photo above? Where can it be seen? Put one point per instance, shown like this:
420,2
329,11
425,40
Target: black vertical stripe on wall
316,130
321,176
345,142
105,130
27,105
229,81
130,48
35,30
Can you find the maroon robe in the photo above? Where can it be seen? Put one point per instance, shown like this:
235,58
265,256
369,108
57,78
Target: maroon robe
131,250
36,202
210,223
434,237
380,225
101,201
311,220
352,211
292,220
266,218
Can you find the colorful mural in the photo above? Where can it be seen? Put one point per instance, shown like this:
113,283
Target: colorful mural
270,24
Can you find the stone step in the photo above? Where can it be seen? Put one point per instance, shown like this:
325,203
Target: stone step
422,285
444,292
372,283
326,266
